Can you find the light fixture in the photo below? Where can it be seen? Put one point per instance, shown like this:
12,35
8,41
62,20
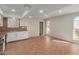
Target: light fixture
13,10
41,11
60,11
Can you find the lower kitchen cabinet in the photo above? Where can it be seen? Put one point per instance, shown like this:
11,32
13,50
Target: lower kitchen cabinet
13,36
22,35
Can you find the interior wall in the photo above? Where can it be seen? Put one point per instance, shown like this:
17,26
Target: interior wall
62,26
1,21
32,25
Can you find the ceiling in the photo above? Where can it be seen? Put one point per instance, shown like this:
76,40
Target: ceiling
74,8
21,9
46,7
6,8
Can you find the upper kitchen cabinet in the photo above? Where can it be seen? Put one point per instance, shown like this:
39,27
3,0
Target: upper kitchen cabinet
13,22
1,21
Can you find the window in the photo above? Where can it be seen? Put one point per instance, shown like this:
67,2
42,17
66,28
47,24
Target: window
47,29
76,28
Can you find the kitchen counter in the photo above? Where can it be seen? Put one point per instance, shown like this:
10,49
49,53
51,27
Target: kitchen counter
4,31
12,34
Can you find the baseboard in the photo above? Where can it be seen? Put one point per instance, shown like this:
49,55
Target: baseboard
44,35
23,39
60,39
18,40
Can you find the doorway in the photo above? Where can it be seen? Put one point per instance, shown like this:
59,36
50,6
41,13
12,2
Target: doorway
41,28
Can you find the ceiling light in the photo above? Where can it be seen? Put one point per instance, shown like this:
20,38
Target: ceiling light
60,11
41,11
13,10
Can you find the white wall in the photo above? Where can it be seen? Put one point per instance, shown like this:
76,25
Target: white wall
62,26
32,25
1,21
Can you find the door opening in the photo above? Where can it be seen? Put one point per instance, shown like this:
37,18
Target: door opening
41,29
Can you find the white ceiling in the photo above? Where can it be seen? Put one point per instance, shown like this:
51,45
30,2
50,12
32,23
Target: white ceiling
66,10
6,8
46,7
50,10
34,11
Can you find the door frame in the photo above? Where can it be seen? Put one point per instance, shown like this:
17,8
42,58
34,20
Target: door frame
41,28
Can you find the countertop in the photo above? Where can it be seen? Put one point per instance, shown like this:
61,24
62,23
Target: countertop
4,31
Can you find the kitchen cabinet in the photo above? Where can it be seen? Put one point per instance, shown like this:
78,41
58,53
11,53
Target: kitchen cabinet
22,35
14,36
13,22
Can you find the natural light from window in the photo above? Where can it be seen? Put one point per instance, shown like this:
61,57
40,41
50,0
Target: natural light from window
76,28
47,29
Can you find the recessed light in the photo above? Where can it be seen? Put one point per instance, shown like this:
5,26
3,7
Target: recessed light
41,11
13,10
60,11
